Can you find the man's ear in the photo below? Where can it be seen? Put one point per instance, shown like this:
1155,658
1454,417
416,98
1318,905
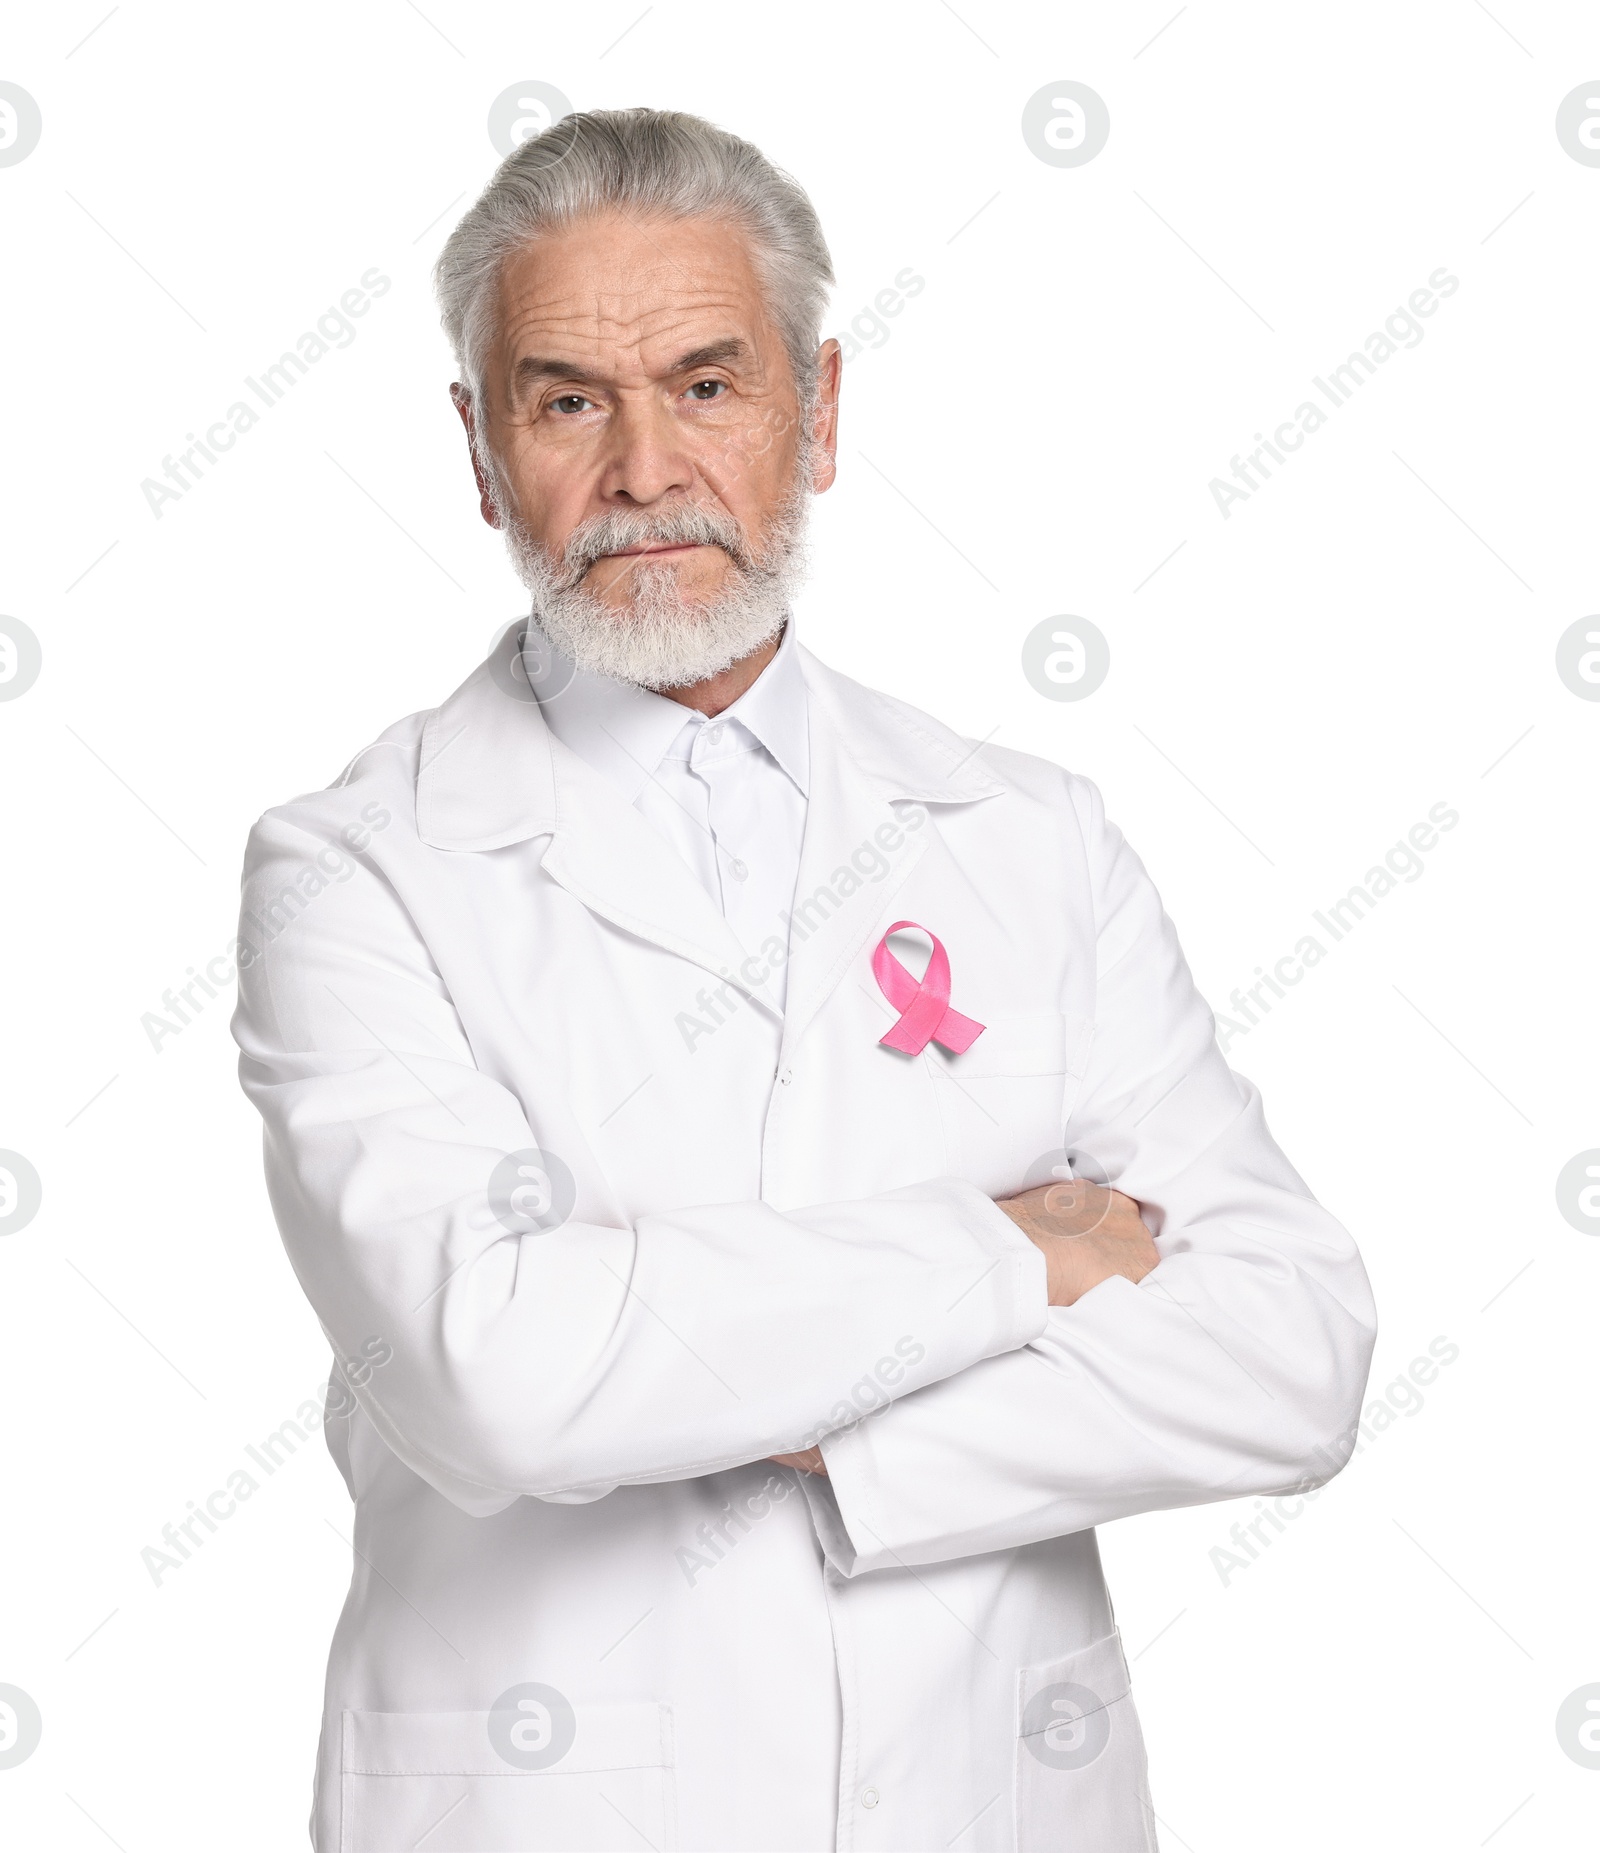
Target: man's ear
462,401
825,420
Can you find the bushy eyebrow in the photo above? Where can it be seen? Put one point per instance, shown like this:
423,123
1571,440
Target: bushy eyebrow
533,369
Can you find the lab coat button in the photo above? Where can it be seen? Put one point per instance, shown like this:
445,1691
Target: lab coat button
737,869
869,1798
786,1077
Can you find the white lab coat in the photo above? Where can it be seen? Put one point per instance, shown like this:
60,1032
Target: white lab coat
471,947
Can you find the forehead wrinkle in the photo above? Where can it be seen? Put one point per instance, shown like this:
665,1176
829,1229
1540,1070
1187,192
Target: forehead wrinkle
600,312
616,289
648,337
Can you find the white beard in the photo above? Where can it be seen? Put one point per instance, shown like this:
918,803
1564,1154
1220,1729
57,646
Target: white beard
659,639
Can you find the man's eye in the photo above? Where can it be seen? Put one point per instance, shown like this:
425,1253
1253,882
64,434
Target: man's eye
707,389
569,402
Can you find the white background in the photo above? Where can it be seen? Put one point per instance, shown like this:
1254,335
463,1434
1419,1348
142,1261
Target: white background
1370,634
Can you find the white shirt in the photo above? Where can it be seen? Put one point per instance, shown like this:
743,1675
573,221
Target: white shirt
729,792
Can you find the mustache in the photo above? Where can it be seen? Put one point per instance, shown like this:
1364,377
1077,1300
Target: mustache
692,525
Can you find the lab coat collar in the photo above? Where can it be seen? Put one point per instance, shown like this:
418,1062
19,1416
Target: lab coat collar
486,773
492,773
624,732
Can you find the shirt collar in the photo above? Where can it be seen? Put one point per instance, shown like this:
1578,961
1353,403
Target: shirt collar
773,708
624,732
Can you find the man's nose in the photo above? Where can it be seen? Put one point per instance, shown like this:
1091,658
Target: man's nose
646,455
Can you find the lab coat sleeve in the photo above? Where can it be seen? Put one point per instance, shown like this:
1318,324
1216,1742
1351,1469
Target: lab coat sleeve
561,1363
1235,1367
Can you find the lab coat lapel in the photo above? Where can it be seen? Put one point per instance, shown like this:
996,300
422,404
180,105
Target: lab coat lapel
608,857
872,772
491,774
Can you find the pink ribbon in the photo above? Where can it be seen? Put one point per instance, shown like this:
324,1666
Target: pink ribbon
924,1006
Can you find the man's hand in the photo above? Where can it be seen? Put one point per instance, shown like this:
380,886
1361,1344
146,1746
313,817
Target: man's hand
1086,1234
810,1461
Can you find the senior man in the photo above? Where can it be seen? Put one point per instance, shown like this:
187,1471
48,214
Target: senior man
759,1158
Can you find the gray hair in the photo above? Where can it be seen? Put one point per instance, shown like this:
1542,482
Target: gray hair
654,162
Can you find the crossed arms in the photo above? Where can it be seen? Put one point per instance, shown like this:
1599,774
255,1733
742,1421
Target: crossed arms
1063,1379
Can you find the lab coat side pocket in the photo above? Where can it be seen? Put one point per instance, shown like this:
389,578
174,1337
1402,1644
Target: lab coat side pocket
438,1779
1081,1781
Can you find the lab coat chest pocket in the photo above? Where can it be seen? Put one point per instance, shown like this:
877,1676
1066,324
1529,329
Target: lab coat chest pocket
1004,1102
436,1779
1081,1783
